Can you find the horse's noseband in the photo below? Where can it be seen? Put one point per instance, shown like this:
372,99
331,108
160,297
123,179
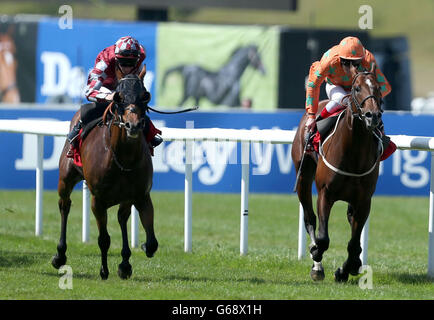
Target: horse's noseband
131,109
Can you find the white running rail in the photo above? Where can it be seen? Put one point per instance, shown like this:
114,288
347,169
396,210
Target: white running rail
61,128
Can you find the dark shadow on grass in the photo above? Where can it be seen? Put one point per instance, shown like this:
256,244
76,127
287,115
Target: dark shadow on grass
86,276
408,278
11,259
253,280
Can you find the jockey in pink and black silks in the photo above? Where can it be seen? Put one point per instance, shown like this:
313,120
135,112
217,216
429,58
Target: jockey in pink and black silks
112,63
334,69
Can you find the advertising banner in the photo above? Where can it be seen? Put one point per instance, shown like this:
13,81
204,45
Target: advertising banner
213,66
17,61
64,57
217,165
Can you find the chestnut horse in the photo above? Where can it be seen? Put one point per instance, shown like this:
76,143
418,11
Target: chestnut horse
8,67
118,169
347,170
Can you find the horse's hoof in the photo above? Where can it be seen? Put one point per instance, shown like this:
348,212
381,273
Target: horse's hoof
150,248
317,273
57,261
125,271
340,276
104,274
354,270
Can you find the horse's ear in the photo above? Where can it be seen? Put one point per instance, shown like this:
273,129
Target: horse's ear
373,67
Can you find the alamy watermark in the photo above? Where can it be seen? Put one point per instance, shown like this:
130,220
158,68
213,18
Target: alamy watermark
65,281
65,21
365,281
366,20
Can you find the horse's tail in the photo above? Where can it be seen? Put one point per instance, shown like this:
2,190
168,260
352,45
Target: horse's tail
169,71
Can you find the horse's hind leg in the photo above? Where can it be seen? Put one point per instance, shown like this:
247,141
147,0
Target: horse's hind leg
125,269
146,212
100,213
68,178
357,217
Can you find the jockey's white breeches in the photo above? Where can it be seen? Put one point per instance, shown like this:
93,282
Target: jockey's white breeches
335,94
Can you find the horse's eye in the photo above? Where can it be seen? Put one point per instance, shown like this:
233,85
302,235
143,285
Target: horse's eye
357,89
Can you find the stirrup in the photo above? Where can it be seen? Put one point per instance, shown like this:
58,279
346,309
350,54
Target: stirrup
156,141
70,153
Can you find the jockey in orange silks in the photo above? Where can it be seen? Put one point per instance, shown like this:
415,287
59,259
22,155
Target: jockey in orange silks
334,67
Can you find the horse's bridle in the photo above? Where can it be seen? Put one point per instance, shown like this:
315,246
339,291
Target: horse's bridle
118,121
117,115
359,105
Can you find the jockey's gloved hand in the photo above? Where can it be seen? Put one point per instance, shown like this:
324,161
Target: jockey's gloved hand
310,124
110,97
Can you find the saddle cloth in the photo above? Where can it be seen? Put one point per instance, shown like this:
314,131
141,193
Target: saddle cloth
323,129
150,131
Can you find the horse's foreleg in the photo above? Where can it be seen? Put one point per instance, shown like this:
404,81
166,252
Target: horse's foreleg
124,270
359,215
67,179
60,258
322,240
100,213
146,213
304,191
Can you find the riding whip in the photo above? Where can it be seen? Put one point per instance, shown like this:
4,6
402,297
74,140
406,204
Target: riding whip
308,136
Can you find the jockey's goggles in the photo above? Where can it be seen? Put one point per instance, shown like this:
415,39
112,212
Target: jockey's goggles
127,62
349,62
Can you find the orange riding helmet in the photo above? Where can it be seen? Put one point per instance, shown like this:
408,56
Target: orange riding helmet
351,48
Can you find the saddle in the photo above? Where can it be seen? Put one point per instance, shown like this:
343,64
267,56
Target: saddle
84,132
324,126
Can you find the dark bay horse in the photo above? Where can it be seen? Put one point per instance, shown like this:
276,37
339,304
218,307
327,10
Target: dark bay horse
118,169
347,170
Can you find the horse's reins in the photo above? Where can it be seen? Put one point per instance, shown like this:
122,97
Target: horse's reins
174,112
359,105
360,115
120,124
159,111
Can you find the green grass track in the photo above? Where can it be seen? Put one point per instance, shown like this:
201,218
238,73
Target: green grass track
398,251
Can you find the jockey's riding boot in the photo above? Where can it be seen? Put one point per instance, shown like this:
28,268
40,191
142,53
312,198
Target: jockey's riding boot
156,141
389,147
325,114
72,138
